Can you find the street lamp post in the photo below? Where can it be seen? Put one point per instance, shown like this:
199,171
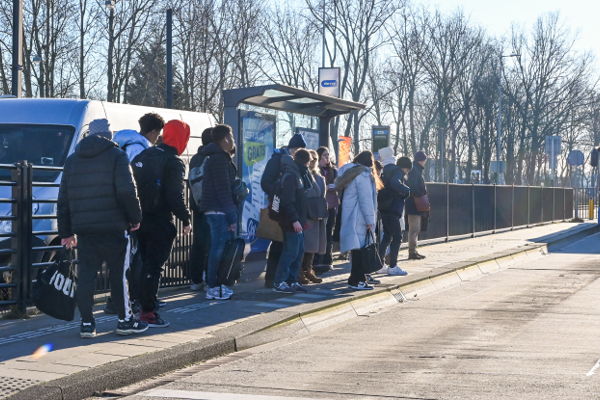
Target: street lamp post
17,48
170,58
499,174
110,6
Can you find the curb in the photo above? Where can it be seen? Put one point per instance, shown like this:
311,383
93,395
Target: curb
125,372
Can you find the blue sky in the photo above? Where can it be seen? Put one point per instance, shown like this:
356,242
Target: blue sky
580,16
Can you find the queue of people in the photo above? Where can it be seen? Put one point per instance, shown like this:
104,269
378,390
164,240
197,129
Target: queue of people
310,194
120,196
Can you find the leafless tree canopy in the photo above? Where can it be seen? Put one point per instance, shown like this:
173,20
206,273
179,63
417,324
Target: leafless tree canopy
442,83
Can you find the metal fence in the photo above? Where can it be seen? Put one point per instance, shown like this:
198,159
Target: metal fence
29,238
586,203
458,210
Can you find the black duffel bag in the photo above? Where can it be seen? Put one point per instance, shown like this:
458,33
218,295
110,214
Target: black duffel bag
230,269
54,288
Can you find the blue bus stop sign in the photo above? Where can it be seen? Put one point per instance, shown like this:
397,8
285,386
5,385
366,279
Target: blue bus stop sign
575,157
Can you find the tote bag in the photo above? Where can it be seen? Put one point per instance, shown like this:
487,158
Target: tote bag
54,289
368,256
268,228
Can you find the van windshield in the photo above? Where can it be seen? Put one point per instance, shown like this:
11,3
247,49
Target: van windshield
42,145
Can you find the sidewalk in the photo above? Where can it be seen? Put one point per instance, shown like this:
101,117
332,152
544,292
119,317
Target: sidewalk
202,329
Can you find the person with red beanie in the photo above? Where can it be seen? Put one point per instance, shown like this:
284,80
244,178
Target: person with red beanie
159,172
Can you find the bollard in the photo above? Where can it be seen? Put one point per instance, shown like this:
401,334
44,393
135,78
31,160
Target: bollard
591,209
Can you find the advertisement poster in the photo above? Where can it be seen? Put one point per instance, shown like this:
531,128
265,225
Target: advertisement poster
258,135
345,150
311,136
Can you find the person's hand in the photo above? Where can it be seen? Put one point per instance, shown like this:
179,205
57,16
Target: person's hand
233,228
369,227
187,229
134,227
69,242
297,227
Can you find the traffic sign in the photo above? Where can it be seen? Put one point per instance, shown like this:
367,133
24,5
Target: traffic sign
576,157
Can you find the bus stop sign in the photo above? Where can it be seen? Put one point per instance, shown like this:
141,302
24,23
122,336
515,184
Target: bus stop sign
575,157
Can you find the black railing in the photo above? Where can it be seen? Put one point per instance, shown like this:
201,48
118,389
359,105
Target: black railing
459,210
29,238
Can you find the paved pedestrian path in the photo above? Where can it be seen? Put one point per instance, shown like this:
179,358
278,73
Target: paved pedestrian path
193,318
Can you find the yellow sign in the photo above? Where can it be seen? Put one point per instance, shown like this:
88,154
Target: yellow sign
254,152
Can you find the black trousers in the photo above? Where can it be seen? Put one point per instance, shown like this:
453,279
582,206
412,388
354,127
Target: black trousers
134,274
93,251
273,257
327,258
392,237
200,246
156,241
357,273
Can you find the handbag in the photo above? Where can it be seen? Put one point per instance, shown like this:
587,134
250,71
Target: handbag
422,203
54,288
268,228
368,256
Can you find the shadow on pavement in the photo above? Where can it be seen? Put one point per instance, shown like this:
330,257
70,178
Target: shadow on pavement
185,310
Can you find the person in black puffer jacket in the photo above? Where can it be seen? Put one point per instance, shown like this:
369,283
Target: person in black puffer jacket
293,216
418,189
391,207
201,241
218,205
97,201
158,230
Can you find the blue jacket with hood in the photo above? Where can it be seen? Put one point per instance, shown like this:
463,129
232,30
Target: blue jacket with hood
132,142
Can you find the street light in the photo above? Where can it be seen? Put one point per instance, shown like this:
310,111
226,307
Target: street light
499,174
17,47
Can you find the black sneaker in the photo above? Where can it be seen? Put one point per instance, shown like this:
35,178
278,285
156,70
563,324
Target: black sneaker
372,281
87,330
131,327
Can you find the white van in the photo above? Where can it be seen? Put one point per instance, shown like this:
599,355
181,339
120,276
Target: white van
45,131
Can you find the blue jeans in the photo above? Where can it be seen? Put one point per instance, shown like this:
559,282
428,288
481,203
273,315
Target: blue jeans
219,234
291,258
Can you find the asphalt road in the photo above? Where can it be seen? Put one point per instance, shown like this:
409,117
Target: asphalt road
529,332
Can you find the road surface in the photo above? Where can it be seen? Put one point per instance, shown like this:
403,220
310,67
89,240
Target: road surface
529,332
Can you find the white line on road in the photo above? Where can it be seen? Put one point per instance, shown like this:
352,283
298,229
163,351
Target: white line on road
594,368
193,395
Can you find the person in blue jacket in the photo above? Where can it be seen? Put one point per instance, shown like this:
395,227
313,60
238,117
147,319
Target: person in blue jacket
133,142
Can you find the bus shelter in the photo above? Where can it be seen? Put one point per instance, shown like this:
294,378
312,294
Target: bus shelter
264,118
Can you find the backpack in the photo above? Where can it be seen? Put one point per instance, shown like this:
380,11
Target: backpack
196,181
148,171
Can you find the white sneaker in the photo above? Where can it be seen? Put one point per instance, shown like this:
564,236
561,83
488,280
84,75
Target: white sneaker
397,271
383,270
216,293
226,290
